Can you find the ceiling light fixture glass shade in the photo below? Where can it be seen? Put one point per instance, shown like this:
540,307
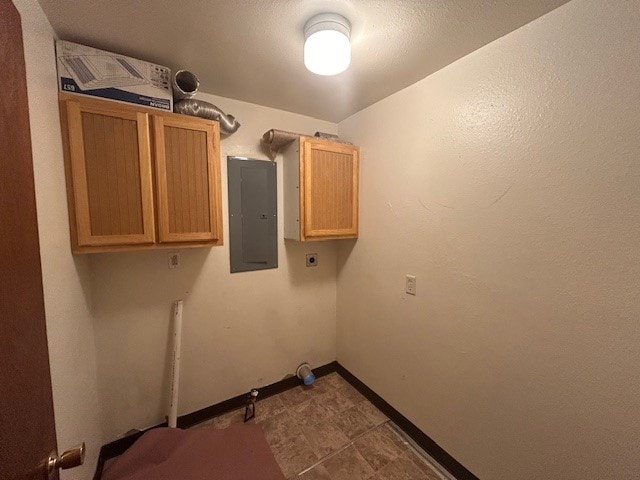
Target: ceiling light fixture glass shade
327,46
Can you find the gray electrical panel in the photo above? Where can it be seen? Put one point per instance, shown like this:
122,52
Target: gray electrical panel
253,214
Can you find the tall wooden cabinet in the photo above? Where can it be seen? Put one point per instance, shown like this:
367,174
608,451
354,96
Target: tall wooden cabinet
321,189
139,178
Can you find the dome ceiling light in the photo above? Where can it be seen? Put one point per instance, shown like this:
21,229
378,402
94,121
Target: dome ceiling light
327,46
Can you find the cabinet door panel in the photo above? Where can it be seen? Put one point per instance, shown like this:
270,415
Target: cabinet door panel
111,174
188,177
330,174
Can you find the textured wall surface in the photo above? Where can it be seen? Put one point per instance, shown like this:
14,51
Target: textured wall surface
509,184
72,355
241,330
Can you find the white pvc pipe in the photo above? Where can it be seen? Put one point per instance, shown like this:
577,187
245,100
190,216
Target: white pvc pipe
175,371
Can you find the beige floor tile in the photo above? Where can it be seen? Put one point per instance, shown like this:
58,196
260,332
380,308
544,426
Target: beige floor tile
333,378
353,422
337,400
305,424
350,392
295,455
336,379
400,469
321,385
372,413
295,396
280,429
380,447
422,464
338,382
324,438
348,465
269,407
317,473
393,433
312,411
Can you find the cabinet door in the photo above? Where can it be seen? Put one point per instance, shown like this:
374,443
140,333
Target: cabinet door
188,179
110,160
330,197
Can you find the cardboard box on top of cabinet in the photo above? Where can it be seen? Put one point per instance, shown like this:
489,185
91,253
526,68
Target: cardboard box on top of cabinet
90,71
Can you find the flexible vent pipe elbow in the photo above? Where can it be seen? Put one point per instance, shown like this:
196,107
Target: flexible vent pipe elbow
199,108
185,86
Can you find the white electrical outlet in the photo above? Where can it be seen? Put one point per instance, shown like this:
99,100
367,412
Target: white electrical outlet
174,260
410,285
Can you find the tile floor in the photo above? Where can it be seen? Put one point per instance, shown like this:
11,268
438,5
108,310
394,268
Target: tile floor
330,431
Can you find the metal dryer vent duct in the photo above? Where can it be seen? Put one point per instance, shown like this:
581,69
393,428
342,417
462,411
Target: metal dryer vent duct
185,86
200,108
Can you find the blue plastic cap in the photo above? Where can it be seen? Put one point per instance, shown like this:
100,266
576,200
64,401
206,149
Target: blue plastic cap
309,379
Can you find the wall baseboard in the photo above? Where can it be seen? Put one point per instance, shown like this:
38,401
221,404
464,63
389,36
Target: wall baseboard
121,445
199,416
425,442
118,447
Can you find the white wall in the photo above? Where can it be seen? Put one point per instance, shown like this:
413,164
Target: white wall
509,184
65,278
241,330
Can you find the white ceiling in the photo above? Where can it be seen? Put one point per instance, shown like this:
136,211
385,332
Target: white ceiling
252,50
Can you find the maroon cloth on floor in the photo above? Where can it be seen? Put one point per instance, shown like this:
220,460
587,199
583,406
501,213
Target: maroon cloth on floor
239,452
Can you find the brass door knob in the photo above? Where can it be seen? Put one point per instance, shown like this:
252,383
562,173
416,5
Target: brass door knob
73,457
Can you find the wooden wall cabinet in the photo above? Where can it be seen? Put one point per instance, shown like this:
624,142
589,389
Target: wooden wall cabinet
187,162
320,190
139,178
